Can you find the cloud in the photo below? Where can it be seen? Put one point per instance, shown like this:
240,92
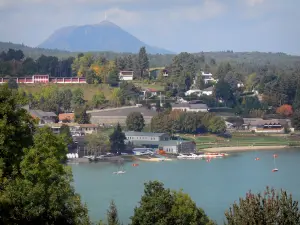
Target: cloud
254,2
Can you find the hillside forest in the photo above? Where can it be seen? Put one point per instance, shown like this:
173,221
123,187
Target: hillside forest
271,80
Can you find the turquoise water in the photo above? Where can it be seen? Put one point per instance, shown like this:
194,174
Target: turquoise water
213,186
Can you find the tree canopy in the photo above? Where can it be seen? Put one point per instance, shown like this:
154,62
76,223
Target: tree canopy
135,121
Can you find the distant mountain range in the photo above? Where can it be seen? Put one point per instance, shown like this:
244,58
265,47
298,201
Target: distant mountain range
105,36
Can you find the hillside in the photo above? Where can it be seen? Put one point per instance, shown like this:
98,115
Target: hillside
105,36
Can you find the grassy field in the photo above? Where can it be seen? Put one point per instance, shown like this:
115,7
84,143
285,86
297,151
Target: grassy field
212,141
155,85
89,89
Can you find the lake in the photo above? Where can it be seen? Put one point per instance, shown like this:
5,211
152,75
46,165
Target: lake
214,185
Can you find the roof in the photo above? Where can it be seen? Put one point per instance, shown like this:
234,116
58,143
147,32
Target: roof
198,106
66,116
124,112
211,88
126,73
191,106
148,134
260,121
180,105
159,143
40,114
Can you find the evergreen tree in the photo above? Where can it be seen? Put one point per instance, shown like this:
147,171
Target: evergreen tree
66,134
296,103
81,116
143,62
129,63
117,139
112,214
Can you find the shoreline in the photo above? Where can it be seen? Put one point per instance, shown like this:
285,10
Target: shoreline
244,148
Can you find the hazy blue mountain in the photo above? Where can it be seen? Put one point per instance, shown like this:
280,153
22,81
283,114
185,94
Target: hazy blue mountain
105,36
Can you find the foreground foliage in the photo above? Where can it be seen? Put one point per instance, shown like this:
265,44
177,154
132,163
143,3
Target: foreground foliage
267,208
162,206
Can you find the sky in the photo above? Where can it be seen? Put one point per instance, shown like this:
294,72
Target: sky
176,25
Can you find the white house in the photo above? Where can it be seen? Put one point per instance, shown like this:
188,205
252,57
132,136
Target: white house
207,77
208,91
195,91
126,75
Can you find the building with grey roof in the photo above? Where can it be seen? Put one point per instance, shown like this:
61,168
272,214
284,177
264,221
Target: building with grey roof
190,107
171,146
146,136
119,115
44,117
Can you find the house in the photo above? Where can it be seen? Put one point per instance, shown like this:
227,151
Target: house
155,72
190,107
66,117
152,91
260,125
207,77
126,75
171,146
43,117
75,128
146,136
208,91
194,91
118,115
159,141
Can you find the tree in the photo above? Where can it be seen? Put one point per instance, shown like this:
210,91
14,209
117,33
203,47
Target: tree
116,97
112,214
42,194
285,110
224,92
143,62
216,125
135,121
117,139
77,97
66,134
67,99
80,116
16,129
98,99
162,206
113,78
97,143
270,207
296,103
296,120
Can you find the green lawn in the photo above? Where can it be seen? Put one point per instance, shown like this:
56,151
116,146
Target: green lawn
155,85
210,141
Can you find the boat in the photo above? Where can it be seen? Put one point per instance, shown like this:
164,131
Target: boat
275,167
120,169
190,156
214,155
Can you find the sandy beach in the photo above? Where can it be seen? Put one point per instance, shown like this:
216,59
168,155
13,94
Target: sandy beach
243,148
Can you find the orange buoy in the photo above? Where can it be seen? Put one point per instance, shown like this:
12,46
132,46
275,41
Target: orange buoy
257,159
135,164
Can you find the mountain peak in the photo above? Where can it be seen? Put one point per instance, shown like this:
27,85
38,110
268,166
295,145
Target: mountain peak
104,36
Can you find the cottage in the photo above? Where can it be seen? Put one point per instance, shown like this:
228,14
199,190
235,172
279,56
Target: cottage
126,75
207,77
43,117
75,128
155,72
66,117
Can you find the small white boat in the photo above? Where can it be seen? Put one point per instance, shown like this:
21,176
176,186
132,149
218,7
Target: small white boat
119,172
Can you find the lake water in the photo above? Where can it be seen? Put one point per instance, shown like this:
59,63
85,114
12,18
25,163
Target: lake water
214,186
